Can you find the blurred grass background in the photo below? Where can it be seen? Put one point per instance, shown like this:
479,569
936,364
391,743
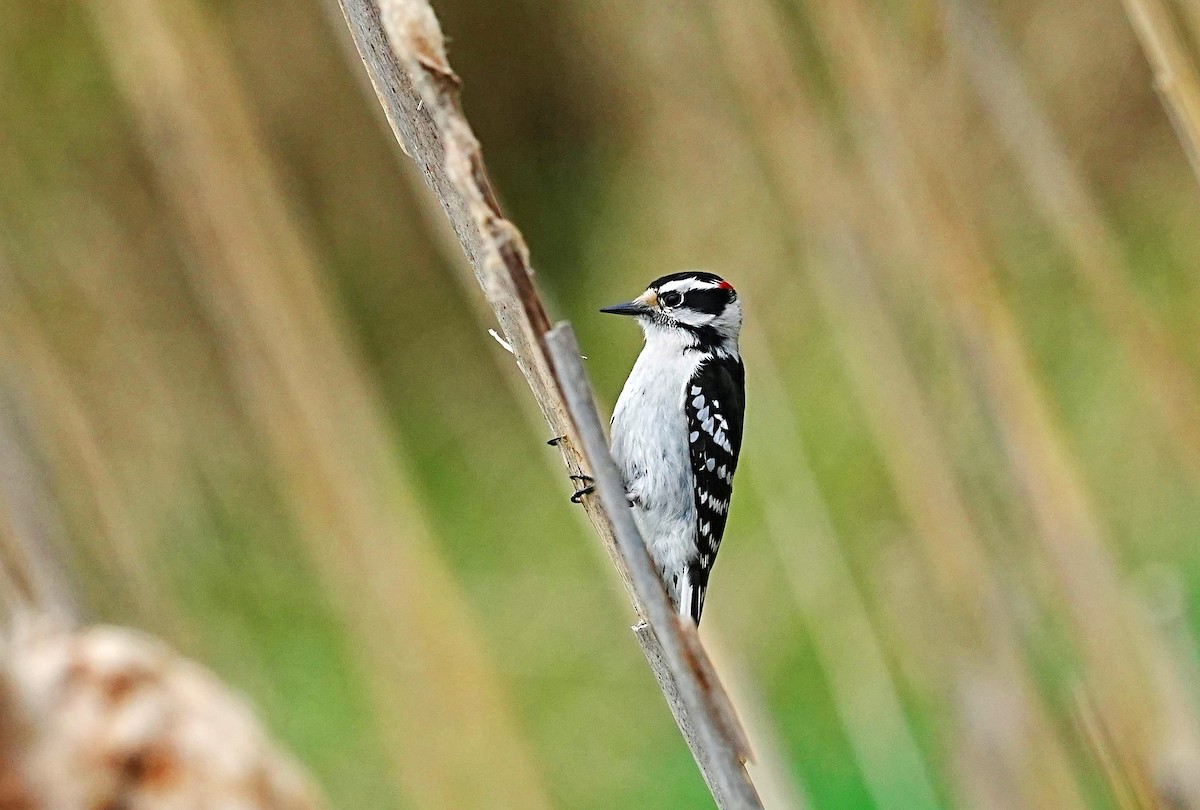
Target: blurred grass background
249,402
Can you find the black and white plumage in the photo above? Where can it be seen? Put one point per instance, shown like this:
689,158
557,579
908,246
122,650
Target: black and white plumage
677,427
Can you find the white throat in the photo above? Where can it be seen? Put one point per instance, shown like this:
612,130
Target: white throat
661,337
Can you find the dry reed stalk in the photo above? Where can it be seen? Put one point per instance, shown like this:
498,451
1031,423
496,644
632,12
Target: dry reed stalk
31,576
1012,741
401,45
107,717
913,161
777,787
441,708
1060,192
1176,666
823,586
770,770
803,168
1191,14
691,117
1175,74
75,454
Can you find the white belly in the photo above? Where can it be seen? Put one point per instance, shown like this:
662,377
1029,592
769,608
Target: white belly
649,443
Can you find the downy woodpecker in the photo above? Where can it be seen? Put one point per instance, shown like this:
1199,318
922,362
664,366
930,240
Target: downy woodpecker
677,427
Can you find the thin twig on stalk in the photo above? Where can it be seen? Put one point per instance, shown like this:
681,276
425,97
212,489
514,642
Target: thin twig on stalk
402,48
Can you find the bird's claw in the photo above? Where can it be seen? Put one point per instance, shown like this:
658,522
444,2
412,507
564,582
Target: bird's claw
555,441
587,490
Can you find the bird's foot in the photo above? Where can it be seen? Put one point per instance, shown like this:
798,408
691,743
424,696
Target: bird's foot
554,442
588,489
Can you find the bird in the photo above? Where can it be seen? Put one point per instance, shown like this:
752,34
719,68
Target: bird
677,426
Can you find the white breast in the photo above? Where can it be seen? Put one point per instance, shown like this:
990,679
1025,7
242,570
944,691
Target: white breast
649,443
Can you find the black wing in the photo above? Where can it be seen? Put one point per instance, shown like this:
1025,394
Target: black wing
715,405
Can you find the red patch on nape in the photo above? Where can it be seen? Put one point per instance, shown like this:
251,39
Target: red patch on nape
725,285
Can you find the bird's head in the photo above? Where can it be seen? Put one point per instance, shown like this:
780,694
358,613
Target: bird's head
694,308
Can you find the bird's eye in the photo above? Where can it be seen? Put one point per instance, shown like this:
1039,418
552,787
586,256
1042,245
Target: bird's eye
671,299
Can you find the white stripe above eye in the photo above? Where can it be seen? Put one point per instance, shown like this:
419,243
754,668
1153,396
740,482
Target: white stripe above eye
685,285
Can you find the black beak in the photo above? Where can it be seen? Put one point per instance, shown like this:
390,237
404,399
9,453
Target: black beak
628,308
